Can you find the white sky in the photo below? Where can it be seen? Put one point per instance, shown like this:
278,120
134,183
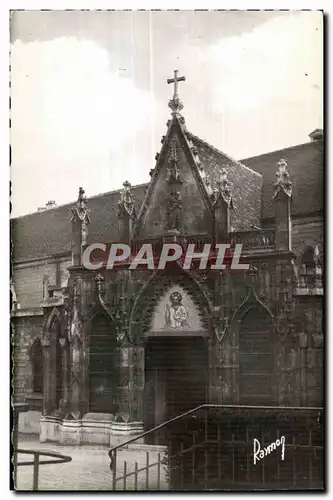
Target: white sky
89,92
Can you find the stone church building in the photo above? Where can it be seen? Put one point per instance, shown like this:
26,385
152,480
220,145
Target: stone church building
102,353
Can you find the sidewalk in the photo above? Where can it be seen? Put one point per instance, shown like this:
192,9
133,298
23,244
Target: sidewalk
89,469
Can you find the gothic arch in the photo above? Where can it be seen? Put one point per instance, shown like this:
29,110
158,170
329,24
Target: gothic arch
250,301
53,317
96,310
309,265
155,288
304,245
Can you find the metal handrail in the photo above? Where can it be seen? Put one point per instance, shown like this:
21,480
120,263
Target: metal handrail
207,406
36,462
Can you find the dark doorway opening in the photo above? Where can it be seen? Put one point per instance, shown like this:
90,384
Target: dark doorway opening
257,384
102,367
176,377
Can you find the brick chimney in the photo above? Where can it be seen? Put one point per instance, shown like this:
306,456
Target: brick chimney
50,204
317,134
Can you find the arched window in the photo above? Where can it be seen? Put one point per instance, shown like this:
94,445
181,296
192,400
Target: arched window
310,269
257,384
37,367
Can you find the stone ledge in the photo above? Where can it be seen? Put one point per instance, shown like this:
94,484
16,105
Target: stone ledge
91,429
308,291
147,447
28,311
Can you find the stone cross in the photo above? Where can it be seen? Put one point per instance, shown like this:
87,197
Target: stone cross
175,80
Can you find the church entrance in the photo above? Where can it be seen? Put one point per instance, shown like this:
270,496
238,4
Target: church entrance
176,377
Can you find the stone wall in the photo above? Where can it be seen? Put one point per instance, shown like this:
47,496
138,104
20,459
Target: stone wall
25,331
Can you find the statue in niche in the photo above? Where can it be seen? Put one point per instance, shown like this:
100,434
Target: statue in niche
176,314
174,207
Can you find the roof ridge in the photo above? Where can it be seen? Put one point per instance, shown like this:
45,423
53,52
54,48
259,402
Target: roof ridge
74,201
310,143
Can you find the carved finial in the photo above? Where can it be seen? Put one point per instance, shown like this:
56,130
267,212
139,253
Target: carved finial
173,173
223,187
82,198
80,208
253,270
283,182
175,103
126,202
99,283
46,269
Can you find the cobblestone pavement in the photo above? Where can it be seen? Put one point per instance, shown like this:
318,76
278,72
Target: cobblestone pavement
88,470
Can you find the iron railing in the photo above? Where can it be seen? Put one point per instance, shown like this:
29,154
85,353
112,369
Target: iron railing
211,447
36,462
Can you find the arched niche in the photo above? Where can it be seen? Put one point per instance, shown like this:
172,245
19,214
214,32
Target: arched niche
176,314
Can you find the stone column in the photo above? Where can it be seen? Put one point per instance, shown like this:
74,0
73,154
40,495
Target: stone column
282,197
47,377
80,221
76,376
129,419
137,381
222,205
122,368
126,213
64,368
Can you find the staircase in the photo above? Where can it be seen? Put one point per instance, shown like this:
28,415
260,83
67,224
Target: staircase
212,448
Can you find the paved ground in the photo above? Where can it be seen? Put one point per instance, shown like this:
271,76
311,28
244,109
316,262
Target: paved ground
88,470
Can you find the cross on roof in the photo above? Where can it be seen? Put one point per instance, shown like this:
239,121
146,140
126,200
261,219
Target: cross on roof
175,80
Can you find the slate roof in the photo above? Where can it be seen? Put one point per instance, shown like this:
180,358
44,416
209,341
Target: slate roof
246,184
306,169
46,233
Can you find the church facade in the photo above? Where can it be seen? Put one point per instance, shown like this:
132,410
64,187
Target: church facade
113,352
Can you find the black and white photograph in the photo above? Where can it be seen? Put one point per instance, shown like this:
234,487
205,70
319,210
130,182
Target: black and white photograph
167,250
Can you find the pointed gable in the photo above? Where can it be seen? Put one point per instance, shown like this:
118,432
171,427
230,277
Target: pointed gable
179,175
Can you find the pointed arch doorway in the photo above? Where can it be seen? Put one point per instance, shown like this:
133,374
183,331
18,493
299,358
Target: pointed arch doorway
176,359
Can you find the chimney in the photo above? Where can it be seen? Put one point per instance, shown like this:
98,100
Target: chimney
316,135
50,204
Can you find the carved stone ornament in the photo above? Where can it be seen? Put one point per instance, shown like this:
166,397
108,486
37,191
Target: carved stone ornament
62,342
173,172
120,334
99,283
223,188
283,182
80,210
221,328
176,105
174,207
75,325
126,203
